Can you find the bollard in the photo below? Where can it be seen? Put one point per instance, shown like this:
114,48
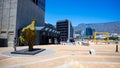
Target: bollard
116,48
15,43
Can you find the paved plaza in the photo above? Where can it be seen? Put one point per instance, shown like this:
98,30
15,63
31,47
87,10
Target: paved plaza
62,56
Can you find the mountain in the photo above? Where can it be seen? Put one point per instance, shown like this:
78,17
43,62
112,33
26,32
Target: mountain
112,27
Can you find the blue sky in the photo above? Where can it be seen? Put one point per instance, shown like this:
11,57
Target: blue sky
82,11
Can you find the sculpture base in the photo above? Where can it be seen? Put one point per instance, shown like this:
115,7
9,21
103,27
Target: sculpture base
27,52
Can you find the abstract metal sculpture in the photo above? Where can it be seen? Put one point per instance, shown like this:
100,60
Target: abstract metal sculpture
29,35
105,33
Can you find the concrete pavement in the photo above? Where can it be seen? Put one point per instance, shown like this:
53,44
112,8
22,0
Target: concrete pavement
64,56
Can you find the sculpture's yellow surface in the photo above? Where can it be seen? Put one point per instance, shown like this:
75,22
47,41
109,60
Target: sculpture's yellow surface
22,39
29,35
105,33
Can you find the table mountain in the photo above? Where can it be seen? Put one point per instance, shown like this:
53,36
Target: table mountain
112,27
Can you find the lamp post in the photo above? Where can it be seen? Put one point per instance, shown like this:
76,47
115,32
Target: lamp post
116,48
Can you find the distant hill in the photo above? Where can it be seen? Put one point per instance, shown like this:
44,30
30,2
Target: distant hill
112,27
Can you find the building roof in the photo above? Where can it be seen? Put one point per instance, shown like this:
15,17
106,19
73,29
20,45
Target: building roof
39,27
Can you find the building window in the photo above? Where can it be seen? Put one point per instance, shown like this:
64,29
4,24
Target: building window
11,31
3,31
35,1
40,3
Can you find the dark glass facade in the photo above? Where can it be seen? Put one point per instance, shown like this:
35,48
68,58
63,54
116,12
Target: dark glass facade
40,3
63,28
89,31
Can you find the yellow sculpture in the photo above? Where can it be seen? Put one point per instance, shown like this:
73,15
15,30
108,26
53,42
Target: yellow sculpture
106,33
29,35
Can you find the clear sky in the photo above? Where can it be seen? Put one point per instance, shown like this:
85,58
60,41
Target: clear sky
82,11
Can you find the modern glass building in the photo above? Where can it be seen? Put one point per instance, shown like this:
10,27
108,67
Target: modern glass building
66,30
89,31
16,14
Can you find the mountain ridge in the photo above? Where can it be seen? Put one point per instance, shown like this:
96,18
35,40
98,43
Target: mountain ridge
112,27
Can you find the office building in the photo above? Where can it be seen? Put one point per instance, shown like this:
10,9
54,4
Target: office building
89,31
16,14
66,30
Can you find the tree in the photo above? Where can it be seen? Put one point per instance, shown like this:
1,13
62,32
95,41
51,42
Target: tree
112,38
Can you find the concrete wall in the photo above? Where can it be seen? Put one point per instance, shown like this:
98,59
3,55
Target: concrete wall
8,10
